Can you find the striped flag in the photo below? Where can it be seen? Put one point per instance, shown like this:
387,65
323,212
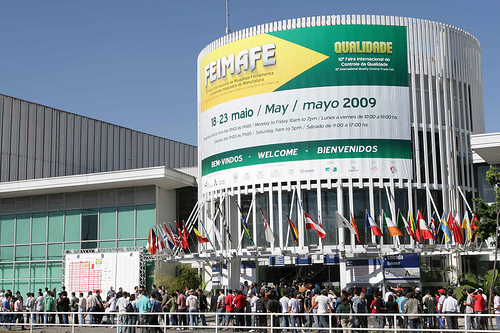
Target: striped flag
201,239
310,224
175,238
370,223
294,230
342,222
402,223
393,229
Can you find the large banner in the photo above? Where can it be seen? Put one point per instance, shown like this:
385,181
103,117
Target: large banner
91,271
308,103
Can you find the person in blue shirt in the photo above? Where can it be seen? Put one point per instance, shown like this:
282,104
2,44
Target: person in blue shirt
143,306
7,311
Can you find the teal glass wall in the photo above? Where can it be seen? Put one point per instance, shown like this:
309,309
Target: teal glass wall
32,243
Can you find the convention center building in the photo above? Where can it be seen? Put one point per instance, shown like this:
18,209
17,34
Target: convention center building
334,149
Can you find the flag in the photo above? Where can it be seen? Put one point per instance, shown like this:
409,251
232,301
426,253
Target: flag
268,233
160,237
413,226
201,239
184,239
474,223
355,227
168,237
153,240
245,226
432,226
150,242
224,222
467,226
455,228
424,230
402,223
393,230
310,224
342,222
446,230
217,233
370,223
294,230
175,236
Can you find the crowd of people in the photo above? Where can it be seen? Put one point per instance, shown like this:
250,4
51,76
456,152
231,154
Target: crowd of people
251,307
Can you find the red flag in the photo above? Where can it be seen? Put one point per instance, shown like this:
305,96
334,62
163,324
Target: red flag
310,224
457,234
417,228
201,239
185,244
424,230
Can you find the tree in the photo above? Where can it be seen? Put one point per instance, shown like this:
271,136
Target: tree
489,215
187,277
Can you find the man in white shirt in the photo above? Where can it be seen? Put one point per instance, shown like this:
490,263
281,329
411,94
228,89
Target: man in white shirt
284,309
221,306
450,306
293,308
82,308
496,307
122,312
323,308
39,308
253,306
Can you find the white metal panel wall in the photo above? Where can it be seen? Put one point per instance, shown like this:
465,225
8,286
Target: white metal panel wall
38,141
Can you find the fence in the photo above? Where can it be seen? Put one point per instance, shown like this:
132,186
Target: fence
254,322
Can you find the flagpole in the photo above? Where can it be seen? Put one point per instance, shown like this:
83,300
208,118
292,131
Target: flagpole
299,205
288,216
465,199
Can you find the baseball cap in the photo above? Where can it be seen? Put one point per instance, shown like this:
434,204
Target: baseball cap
417,289
441,291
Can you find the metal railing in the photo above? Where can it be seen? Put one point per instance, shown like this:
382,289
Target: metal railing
255,322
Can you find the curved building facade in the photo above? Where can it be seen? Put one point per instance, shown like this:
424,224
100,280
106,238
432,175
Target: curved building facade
333,119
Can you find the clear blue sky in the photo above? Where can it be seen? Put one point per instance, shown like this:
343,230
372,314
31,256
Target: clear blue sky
133,63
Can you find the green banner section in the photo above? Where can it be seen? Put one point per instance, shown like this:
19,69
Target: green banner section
308,150
357,55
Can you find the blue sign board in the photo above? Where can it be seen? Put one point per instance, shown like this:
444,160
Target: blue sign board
277,261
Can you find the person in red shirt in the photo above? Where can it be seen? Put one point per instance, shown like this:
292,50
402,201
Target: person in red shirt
240,302
229,307
479,307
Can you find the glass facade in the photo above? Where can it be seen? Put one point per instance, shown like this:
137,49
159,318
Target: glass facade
32,243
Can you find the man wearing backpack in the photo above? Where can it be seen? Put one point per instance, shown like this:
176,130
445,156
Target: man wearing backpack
48,303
